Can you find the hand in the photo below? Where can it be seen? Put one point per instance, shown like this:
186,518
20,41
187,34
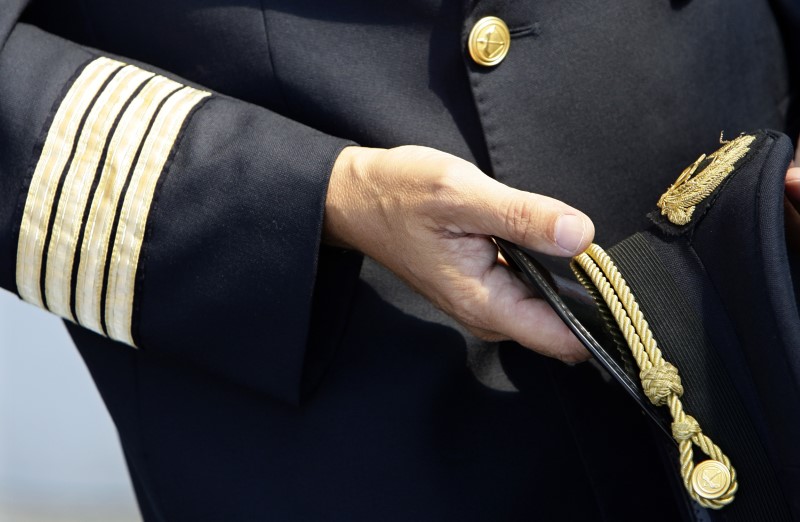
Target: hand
428,216
792,205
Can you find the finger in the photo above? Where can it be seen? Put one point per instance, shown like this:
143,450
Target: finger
797,153
793,186
533,221
792,218
511,312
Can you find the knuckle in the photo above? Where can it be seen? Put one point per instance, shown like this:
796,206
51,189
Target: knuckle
467,315
467,307
445,180
528,221
445,191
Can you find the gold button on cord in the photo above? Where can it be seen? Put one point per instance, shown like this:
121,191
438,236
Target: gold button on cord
711,479
489,41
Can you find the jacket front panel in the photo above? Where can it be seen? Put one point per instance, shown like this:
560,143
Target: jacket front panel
600,105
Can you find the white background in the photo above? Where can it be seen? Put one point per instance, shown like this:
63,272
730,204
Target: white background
60,459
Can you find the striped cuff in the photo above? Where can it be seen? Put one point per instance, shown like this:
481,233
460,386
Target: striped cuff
88,202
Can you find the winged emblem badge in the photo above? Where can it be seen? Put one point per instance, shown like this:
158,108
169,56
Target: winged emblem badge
701,179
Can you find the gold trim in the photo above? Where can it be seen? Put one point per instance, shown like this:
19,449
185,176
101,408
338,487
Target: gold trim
55,153
78,184
136,208
660,380
121,153
162,102
691,188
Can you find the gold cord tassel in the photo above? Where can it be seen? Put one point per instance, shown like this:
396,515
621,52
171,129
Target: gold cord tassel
712,483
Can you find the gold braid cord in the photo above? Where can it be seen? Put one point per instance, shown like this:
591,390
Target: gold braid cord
711,483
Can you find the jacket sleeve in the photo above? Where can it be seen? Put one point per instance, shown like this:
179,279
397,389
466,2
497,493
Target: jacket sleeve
155,213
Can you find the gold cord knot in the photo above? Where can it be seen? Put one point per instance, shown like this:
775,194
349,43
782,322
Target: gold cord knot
685,429
660,381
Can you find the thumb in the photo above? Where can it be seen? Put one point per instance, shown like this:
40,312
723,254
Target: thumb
530,220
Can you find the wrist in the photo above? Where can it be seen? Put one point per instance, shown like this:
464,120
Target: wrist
346,189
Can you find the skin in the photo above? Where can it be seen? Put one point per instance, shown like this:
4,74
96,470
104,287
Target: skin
792,205
428,216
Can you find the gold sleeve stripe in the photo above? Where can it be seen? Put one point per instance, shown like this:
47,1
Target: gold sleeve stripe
91,191
54,156
135,210
77,184
121,155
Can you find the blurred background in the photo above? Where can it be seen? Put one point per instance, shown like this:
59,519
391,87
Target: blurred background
60,460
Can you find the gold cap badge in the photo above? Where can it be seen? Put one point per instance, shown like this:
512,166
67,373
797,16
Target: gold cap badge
700,179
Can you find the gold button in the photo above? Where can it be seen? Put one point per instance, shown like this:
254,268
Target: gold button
489,41
711,479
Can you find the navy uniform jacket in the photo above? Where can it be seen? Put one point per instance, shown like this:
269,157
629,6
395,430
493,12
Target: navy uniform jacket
163,168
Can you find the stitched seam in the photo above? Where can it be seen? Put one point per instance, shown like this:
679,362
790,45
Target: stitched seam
16,17
276,78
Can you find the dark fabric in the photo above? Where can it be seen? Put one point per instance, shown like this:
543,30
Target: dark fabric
12,9
395,432
225,201
718,294
761,305
591,107
599,106
228,265
586,405
787,13
712,395
23,120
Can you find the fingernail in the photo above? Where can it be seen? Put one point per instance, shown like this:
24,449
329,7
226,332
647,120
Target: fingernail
570,231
